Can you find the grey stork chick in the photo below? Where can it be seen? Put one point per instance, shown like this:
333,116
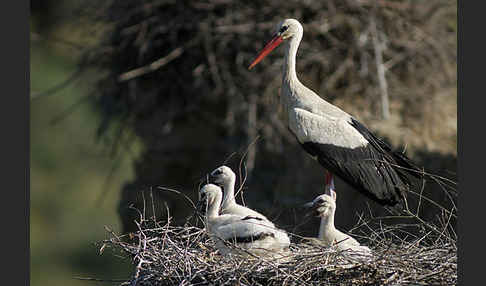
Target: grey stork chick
338,141
252,234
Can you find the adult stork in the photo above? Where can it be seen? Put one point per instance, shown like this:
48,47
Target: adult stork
324,206
253,234
339,142
226,179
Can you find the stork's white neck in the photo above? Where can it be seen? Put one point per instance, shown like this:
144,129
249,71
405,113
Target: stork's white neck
229,192
289,73
213,206
327,225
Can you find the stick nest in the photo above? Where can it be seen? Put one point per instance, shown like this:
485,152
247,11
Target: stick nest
163,254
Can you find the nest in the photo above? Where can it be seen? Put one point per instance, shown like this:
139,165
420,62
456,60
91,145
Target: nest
163,254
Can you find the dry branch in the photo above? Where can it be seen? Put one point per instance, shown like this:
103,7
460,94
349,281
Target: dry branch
152,66
185,255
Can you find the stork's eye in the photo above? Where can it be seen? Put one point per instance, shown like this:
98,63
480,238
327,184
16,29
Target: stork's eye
283,29
217,172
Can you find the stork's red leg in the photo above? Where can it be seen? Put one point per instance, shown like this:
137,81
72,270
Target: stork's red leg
331,184
329,188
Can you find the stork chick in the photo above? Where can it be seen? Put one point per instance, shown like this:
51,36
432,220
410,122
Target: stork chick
226,179
253,234
324,206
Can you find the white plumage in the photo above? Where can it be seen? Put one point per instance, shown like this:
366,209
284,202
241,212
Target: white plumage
226,179
310,118
253,234
339,142
324,129
325,207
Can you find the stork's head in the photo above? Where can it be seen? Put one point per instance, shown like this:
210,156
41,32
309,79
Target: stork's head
286,30
208,195
323,205
222,175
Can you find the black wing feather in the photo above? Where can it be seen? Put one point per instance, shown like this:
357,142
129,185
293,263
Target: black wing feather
250,238
375,170
408,167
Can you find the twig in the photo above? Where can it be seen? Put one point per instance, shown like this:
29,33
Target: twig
152,66
179,193
100,280
53,90
378,48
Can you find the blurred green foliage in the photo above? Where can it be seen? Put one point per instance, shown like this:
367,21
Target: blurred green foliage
71,198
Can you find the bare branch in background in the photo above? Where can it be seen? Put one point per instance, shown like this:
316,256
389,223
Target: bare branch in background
152,66
380,67
53,90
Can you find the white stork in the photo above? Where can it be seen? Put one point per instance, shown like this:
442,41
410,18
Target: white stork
253,234
226,179
325,207
339,142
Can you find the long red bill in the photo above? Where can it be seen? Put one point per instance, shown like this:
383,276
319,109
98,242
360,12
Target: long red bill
266,50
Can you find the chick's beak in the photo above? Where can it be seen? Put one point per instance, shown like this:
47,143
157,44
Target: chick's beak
308,205
310,209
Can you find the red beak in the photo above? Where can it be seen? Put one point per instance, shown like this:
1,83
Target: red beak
266,50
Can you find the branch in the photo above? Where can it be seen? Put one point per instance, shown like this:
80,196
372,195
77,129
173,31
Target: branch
378,48
151,67
58,87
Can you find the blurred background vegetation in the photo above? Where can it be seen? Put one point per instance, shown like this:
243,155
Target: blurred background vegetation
70,167
107,125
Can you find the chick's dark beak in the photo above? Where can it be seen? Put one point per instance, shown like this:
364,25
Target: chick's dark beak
308,205
309,209
213,179
312,208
